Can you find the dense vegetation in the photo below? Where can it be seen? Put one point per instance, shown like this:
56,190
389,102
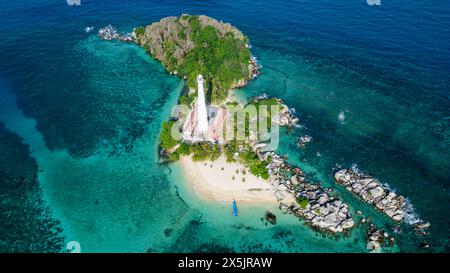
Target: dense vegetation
257,167
139,31
200,151
246,156
207,151
222,61
215,52
187,99
166,141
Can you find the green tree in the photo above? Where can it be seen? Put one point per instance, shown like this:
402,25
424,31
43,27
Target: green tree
221,60
165,138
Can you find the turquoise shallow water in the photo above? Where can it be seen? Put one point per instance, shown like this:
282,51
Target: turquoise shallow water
91,110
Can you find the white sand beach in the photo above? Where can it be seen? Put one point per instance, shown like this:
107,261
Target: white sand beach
213,181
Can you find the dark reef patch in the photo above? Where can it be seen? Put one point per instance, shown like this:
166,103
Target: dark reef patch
168,232
212,248
281,234
25,222
98,107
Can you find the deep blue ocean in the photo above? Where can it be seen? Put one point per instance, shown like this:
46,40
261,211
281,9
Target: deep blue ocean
370,84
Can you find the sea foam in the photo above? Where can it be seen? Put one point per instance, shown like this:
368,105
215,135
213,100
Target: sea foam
88,29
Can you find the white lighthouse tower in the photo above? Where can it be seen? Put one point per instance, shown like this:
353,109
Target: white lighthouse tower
201,107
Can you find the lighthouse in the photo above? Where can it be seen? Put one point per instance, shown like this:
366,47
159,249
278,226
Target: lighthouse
201,107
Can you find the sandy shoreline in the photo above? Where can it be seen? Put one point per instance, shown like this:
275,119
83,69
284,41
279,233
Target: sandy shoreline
216,183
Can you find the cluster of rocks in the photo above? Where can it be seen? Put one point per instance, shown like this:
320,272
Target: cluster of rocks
303,140
372,191
377,238
110,33
263,96
421,228
253,68
313,203
322,210
286,116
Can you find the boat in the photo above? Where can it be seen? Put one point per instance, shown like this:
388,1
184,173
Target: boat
235,210
271,218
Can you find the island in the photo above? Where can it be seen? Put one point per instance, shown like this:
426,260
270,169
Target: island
214,58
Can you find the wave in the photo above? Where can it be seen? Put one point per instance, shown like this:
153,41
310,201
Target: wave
88,29
411,217
356,169
341,116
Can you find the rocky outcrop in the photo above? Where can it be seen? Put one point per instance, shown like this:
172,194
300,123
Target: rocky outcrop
373,192
421,228
286,117
253,68
303,140
314,205
110,33
376,238
158,34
